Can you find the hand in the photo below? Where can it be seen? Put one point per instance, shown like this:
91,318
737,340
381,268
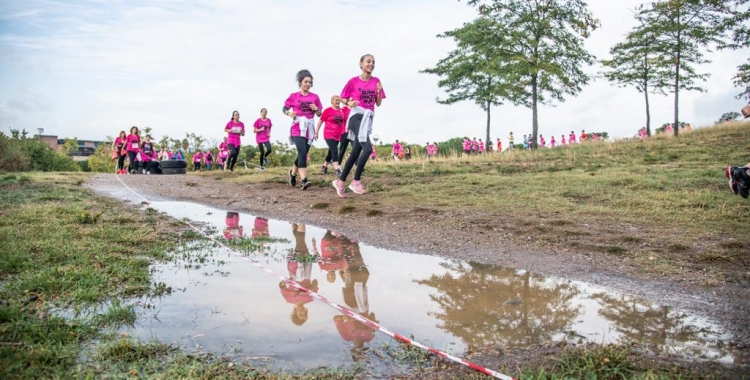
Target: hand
291,114
380,87
316,136
314,107
353,103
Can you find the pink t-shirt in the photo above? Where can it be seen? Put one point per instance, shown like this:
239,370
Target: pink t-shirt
300,104
197,157
236,130
222,146
133,143
396,148
476,145
118,142
335,122
264,135
467,145
572,138
480,145
364,92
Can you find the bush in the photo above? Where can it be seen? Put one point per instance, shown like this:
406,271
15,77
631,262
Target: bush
19,153
101,161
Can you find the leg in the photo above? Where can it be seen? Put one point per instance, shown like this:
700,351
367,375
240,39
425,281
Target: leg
234,151
261,149
353,157
333,153
301,162
366,148
343,144
120,161
133,164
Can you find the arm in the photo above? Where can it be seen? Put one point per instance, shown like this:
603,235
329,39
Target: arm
379,95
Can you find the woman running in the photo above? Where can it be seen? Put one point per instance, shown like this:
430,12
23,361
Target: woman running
396,151
133,146
467,146
235,128
262,129
147,156
334,118
572,138
542,141
552,142
197,159
362,93
208,158
302,106
118,146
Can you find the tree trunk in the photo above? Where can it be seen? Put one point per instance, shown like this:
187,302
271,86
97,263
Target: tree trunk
645,93
534,120
487,140
676,125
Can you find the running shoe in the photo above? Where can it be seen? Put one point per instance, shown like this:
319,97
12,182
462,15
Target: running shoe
305,184
324,170
340,188
733,185
292,179
265,161
744,189
262,169
357,187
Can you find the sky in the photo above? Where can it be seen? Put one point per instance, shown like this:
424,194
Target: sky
90,68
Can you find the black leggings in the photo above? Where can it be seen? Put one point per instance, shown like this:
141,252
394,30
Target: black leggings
342,146
302,148
133,165
234,151
360,151
333,151
196,166
120,161
266,153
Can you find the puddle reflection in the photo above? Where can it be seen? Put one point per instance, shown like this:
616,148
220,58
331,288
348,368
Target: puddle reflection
446,304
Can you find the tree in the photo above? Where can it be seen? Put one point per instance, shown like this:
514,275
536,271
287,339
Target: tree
542,42
729,116
164,142
635,63
69,147
739,29
685,29
473,71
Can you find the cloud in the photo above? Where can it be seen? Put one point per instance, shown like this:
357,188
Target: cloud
183,66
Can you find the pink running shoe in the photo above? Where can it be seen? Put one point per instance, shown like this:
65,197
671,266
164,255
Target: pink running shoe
339,186
357,187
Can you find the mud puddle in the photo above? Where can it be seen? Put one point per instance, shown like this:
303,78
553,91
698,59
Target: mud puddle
221,303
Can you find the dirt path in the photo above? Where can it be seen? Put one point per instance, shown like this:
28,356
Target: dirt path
450,233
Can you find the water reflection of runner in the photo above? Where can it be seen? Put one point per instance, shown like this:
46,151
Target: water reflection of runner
233,230
332,256
299,266
355,277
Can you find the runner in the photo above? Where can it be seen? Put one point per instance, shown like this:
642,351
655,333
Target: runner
302,106
396,150
542,142
197,159
355,293
208,158
262,129
583,136
511,144
223,154
572,138
235,128
499,145
562,140
435,149
480,146
525,142
552,142
133,146
475,146
147,156
119,153
362,94
334,118
467,146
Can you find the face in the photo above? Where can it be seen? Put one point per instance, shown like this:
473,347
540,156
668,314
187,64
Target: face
335,101
134,131
306,84
235,116
367,64
122,134
263,113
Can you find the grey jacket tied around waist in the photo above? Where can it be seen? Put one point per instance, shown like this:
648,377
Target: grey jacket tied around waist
365,127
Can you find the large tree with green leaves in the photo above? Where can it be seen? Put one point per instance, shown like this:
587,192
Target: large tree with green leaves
686,29
473,71
738,25
542,41
635,63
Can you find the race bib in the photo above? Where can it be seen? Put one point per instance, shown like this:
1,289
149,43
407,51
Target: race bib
236,130
134,145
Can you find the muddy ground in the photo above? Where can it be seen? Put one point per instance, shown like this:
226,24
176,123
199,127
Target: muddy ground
453,233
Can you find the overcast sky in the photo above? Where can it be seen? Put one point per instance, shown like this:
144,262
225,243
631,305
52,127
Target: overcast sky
89,69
